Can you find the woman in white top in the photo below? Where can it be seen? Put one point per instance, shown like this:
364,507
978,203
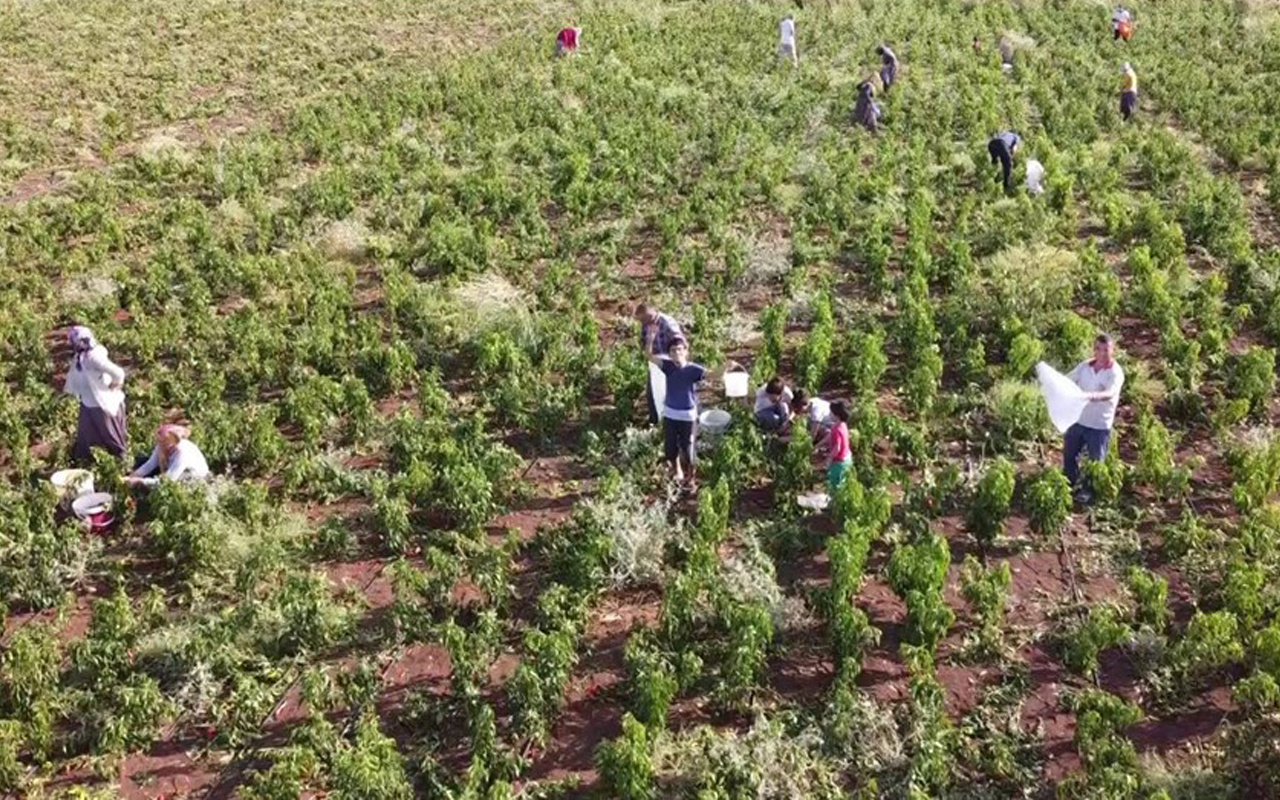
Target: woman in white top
175,457
98,383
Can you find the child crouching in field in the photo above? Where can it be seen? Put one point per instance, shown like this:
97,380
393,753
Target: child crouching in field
773,405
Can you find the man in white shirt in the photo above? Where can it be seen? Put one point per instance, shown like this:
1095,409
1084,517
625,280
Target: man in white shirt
787,43
1101,379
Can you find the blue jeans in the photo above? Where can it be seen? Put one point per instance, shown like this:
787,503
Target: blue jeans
1078,438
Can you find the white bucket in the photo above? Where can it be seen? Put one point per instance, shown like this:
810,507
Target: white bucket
71,483
736,384
714,421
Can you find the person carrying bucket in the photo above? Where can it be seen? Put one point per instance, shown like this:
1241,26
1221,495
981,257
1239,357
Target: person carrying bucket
567,41
888,66
1128,91
1121,24
175,457
98,383
657,332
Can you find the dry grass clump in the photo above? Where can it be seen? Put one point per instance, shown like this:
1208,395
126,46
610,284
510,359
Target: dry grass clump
345,240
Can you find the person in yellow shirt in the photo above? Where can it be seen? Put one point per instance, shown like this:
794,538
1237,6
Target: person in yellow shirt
1128,91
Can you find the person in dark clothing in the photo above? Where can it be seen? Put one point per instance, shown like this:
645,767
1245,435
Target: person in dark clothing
680,411
1002,148
657,332
888,66
866,112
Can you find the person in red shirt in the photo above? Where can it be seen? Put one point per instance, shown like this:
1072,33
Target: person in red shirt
839,453
567,41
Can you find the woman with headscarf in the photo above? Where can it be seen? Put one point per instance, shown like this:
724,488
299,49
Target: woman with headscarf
866,111
888,66
98,383
175,457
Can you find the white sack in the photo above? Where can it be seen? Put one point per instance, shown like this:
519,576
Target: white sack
1066,401
658,382
1035,174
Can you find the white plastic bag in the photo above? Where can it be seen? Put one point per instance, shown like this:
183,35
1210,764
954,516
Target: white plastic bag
658,382
1066,401
1035,174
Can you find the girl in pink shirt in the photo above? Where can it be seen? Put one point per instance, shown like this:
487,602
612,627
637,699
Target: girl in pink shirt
839,454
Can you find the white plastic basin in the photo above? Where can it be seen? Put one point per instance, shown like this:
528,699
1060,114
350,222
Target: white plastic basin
714,420
87,505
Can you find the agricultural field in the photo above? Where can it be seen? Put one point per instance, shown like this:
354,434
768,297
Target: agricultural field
381,256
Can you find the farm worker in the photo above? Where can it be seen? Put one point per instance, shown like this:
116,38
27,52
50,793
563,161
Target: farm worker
787,40
175,457
657,332
773,405
680,410
1002,148
98,383
567,41
1128,91
888,66
839,452
1006,52
1121,24
814,409
977,45
866,111
1101,379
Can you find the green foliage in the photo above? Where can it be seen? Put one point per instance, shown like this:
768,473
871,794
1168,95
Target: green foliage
991,500
1048,500
987,592
815,354
1110,761
1251,377
1210,642
1150,597
1102,629
651,680
626,764
1018,414
865,361
917,572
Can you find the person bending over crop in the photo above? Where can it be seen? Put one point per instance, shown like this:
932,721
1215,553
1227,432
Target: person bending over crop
866,111
1002,148
787,40
1101,378
888,66
657,332
773,409
98,383
839,452
1128,91
1121,24
175,457
567,41
816,410
680,411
